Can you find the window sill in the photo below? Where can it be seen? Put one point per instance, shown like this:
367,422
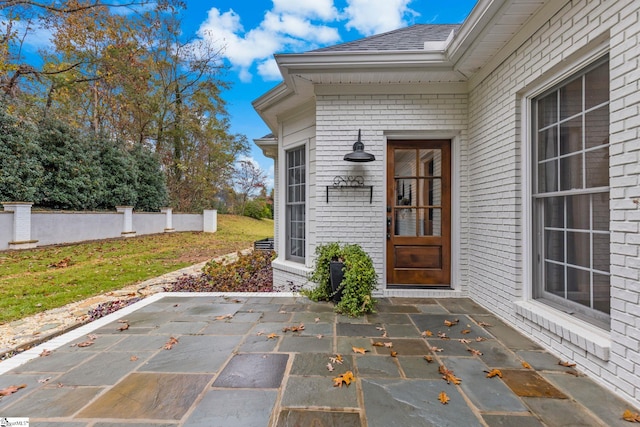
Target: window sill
290,266
582,334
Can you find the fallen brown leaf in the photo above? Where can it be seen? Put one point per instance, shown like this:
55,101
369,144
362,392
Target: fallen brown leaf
64,263
169,344
336,359
45,353
298,328
448,375
465,331
526,365
272,336
378,344
317,319
133,358
388,344
479,339
632,417
494,373
224,317
92,337
484,324
566,364
394,353
44,380
85,344
427,333
474,352
345,378
464,341
11,389
359,350
124,327
429,359
319,336
330,367
435,349
450,323
443,336
443,398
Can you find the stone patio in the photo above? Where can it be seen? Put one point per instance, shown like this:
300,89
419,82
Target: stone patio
227,369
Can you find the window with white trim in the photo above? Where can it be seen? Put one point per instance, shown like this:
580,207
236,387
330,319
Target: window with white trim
570,151
296,204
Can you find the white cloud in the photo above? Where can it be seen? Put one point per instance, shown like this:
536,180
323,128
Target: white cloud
36,36
370,17
280,30
268,70
321,9
296,26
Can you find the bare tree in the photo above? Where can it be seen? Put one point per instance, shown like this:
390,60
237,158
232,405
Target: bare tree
249,180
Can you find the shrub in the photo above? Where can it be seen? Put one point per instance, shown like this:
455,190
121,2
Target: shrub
360,278
249,273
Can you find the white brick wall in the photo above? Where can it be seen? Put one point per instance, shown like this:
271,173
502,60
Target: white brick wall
491,267
496,226
349,217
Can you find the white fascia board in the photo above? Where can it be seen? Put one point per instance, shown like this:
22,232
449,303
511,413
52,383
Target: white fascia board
347,61
269,146
481,15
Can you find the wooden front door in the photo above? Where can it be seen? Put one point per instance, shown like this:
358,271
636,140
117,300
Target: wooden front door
419,213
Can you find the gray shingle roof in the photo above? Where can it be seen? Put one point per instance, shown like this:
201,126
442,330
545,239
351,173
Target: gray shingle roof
409,38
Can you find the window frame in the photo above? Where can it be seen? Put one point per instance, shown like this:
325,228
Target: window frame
534,206
299,205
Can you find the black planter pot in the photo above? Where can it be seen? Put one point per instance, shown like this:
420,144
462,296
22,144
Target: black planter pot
336,273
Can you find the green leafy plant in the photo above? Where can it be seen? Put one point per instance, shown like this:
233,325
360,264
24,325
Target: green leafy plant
359,279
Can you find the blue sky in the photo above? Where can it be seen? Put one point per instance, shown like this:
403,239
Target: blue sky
250,32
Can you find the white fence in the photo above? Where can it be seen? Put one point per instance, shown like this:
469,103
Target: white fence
20,228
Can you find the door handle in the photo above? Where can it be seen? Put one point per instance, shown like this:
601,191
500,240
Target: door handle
388,228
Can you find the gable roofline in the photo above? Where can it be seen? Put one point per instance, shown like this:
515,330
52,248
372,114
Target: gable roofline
491,32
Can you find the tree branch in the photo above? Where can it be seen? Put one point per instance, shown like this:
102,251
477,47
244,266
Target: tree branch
52,7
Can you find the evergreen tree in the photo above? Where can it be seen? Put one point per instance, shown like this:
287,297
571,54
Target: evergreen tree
20,170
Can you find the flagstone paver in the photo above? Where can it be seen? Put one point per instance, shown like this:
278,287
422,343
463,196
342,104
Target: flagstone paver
225,369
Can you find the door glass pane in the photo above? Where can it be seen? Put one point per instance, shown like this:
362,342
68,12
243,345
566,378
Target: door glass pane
405,192
430,222
430,192
430,162
405,222
405,162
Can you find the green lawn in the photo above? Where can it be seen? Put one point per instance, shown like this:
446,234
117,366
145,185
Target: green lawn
30,283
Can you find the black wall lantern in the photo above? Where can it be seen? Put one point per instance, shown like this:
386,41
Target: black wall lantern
358,154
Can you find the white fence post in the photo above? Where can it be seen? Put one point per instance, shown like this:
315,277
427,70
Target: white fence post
168,228
127,226
210,218
21,225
